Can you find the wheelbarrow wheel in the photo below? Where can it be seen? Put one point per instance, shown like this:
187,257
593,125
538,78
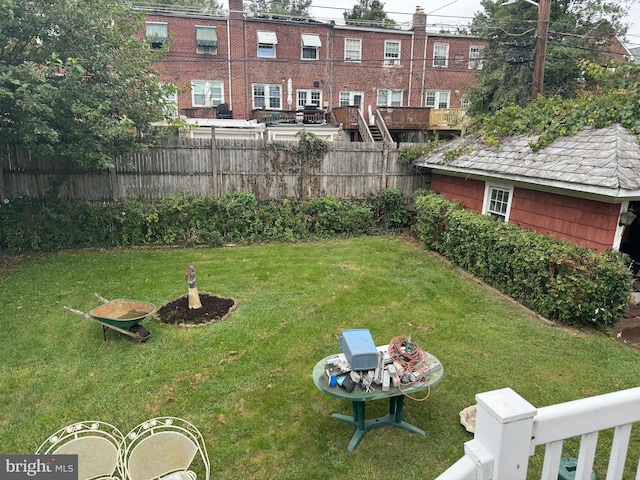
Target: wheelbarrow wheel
142,334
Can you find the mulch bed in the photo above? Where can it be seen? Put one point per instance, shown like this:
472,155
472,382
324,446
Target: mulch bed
214,309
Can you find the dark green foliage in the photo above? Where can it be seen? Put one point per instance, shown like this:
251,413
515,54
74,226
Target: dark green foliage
297,8
75,81
50,224
578,30
391,210
329,216
559,280
409,154
368,13
609,97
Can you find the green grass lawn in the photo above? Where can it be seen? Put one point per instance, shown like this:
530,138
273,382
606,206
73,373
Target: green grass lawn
246,382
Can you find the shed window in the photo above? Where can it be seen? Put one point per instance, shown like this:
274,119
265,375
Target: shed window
497,201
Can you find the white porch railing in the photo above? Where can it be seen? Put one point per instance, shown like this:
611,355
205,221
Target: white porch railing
508,429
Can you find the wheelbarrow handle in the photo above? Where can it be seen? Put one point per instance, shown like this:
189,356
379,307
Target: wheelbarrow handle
108,325
104,300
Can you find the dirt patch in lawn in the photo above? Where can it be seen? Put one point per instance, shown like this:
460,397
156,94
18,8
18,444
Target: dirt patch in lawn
214,309
627,330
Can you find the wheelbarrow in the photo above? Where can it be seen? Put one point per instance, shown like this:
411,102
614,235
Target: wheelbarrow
121,315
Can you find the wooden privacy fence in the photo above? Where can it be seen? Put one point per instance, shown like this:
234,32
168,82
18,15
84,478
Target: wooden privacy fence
215,167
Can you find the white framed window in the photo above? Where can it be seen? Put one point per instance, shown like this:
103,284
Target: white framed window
206,40
207,93
497,201
352,99
465,103
389,98
267,96
310,47
308,97
475,57
156,33
391,52
352,49
170,104
437,98
267,42
441,55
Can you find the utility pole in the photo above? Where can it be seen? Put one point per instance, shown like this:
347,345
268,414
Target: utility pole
542,32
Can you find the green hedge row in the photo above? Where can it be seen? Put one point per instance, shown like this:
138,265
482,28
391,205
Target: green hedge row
557,279
50,224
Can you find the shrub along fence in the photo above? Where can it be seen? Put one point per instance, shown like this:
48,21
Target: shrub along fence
557,279
209,167
30,224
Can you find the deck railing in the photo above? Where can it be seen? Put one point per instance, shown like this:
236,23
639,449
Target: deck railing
447,118
406,118
508,429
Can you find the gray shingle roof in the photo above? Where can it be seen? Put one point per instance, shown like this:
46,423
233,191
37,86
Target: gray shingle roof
602,161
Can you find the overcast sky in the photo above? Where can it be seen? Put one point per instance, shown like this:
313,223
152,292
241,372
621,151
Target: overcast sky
443,13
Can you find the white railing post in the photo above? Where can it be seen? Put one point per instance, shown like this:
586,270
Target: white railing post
504,427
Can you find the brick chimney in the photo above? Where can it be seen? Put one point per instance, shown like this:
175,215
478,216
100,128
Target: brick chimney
419,20
235,9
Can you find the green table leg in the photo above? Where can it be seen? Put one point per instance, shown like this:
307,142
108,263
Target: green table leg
392,419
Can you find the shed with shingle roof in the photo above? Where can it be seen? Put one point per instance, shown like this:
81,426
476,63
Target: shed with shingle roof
576,188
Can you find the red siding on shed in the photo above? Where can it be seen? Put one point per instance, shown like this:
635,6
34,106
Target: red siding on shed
470,192
584,222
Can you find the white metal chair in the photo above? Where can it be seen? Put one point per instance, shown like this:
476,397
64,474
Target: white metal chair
163,448
97,445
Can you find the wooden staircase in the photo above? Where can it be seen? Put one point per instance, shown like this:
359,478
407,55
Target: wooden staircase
375,133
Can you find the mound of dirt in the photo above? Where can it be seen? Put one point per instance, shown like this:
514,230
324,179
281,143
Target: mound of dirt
628,329
214,309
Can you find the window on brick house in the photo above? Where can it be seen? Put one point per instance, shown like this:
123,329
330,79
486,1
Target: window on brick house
389,98
206,93
310,47
206,40
308,97
170,104
267,42
156,34
441,55
475,57
268,97
351,99
352,49
497,201
437,98
391,52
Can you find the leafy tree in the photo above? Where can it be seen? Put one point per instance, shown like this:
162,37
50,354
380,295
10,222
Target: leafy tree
368,13
75,80
294,8
578,29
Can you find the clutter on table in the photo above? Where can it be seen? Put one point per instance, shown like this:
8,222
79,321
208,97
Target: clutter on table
363,365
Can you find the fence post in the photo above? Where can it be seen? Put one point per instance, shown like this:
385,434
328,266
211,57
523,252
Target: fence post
3,188
504,427
214,164
113,178
385,164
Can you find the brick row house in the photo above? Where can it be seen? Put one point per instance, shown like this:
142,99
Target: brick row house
281,71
